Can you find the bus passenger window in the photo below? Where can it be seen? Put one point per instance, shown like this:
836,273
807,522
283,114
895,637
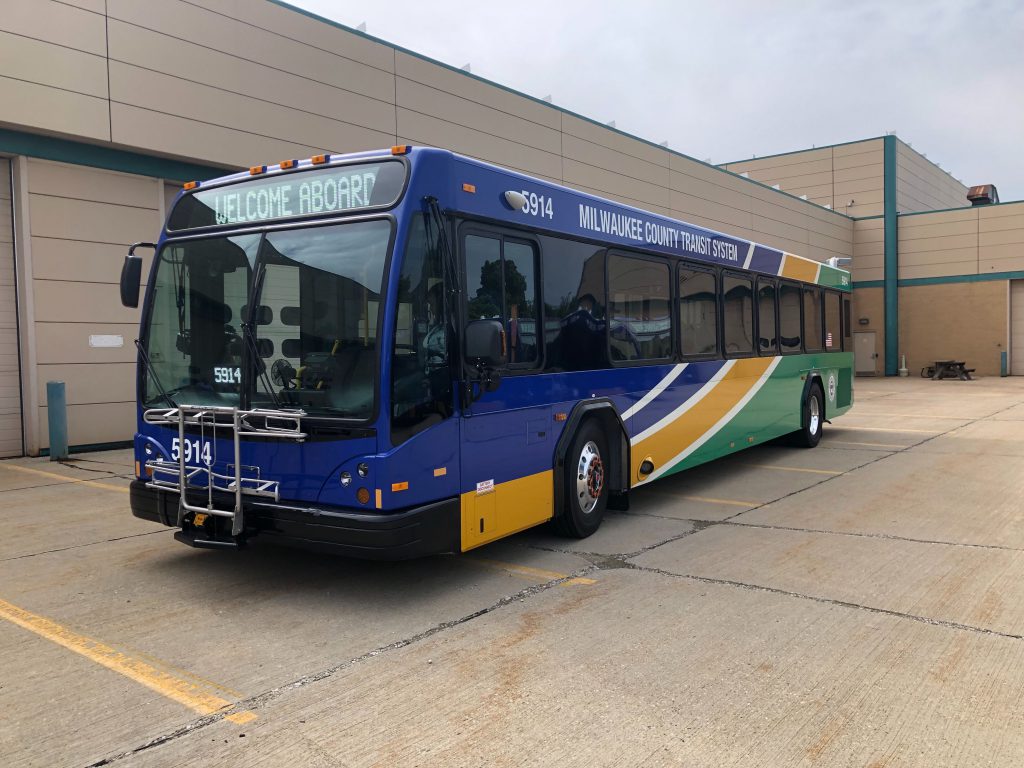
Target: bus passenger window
501,284
737,315
767,338
790,333
847,325
812,319
833,332
574,319
698,312
640,326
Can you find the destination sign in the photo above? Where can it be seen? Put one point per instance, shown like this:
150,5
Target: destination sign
304,193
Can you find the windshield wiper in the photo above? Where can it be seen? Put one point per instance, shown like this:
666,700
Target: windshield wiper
152,374
257,363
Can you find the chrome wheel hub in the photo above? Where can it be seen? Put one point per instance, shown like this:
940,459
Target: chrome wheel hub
589,477
815,420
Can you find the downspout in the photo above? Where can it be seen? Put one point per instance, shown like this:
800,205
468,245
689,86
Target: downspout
891,264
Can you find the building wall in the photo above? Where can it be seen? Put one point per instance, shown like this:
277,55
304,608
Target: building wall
869,304
10,397
921,185
932,327
80,222
847,177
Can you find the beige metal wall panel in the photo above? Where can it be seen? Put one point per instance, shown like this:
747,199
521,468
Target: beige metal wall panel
56,23
869,304
94,423
73,219
616,184
628,201
433,131
60,301
60,343
263,85
96,6
245,41
27,105
296,26
471,89
471,114
868,250
84,183
90,384
607,137
930,332
208,143
44,63
10,380
150,90
1001,237
689,207
614,161
81,261
938,244
922,185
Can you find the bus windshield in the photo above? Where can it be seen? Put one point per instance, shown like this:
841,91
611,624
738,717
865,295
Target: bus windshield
288,318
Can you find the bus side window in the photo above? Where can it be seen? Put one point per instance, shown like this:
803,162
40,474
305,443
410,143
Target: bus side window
767,318
812,319
737,315
574,319
790,333
501,284
847,325
698,312
639,324
833,331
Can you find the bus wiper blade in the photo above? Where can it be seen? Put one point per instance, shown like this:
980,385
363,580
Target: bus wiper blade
258,364
152,374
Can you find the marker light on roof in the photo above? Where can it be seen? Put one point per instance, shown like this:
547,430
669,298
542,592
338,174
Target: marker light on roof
319,159
400,149
286,164
256,170
191,185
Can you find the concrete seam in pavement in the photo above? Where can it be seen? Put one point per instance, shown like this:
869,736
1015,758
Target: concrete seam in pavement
260,699
831,601
80,546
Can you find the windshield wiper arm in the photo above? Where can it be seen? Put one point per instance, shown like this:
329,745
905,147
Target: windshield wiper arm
257,363
152,374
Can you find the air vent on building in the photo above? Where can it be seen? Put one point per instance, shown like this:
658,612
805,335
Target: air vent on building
983,194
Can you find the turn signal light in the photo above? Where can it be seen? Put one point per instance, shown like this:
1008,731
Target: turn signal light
191,184
400,149
363,495
319,159
469,188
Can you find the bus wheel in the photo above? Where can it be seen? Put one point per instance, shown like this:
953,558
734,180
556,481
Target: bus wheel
813,418
586,482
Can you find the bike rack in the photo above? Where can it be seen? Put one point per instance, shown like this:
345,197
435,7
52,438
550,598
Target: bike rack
244,480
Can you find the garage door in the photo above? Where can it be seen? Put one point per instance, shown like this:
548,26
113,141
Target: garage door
1017,327
10,397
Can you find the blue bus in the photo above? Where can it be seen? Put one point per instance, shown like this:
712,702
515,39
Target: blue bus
406,352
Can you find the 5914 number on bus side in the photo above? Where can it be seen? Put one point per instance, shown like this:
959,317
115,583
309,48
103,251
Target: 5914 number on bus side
538,205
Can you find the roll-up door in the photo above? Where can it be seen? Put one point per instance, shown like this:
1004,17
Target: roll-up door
10,378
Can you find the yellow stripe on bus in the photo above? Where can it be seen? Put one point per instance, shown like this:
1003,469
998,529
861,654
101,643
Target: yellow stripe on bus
799,269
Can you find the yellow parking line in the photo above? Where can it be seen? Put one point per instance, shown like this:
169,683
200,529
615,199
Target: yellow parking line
526,570
43,473
729,502
192,695
798,469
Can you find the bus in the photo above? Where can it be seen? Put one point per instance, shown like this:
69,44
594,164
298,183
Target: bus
407,352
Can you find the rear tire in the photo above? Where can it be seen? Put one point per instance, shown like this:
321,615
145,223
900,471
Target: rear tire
586,483
812,418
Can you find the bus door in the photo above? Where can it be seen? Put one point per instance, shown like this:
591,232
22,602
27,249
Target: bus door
507,443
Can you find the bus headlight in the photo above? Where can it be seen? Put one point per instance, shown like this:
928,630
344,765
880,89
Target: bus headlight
346,479
363,469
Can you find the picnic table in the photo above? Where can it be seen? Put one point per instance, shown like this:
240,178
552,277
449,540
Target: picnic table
948,369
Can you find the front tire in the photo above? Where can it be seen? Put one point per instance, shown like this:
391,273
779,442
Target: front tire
586,483
812,418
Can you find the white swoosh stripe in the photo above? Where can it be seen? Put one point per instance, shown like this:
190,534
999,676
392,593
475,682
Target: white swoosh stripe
717,427
660,387
750,255
699,395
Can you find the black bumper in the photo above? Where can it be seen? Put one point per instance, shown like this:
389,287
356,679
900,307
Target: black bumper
427,530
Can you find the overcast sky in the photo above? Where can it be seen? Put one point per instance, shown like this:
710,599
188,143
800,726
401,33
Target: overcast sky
726,80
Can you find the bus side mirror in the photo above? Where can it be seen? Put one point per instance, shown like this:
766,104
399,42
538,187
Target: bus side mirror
485,343
131,275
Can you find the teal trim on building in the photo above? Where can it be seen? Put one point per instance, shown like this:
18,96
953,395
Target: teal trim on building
891,263
108,158
869,284
911,282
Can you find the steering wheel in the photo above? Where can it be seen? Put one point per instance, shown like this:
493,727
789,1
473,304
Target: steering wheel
282,373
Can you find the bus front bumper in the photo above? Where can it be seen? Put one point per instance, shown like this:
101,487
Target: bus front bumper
427,530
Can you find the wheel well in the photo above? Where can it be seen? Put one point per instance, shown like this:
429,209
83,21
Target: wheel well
604,413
